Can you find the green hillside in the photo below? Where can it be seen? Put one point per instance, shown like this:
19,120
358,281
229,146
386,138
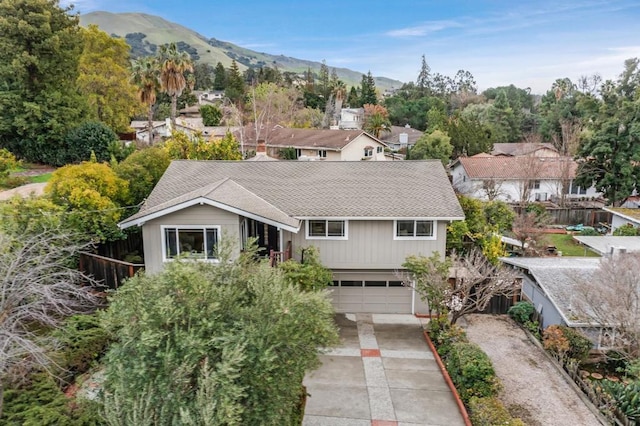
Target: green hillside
159,31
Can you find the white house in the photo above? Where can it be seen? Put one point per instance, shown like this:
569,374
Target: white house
517,178
621,216
351,118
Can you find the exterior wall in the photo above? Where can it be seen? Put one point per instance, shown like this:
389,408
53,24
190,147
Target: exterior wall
550,314
618,221
196,215
370,246
354,151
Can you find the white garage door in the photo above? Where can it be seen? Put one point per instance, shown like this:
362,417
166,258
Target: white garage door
371,295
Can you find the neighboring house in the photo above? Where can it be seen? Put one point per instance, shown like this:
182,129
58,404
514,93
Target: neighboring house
261,153
351,118
621,216
210,96
515,149
192,126
362,216
517,178
609,245
319,144
401,137
548,283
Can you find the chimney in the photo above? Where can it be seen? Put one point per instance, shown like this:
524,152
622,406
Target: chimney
262,147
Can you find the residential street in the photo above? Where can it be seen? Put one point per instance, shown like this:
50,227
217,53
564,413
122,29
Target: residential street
532,386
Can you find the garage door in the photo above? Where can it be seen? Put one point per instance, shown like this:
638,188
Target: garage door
374,296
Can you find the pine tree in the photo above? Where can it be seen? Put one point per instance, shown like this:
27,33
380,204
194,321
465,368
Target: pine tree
424,77
368,90
219,77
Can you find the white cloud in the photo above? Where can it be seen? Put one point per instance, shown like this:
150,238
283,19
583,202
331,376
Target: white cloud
424,29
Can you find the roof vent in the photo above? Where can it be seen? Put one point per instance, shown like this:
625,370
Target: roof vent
347,139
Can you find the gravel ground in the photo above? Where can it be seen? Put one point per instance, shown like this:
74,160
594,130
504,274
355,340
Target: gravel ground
532,388
24,191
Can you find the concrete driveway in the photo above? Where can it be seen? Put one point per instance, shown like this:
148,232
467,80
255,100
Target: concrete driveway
383,374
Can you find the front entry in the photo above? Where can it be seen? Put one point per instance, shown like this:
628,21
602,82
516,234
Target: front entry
267,236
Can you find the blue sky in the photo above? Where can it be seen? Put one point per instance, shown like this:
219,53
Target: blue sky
526,43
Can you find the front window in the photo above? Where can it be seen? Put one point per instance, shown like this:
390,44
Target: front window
322,153
534,184
414,229
191,242
325,228
368,151
577,190
379,150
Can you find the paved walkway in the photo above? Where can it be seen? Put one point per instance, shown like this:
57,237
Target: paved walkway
24,191
383,374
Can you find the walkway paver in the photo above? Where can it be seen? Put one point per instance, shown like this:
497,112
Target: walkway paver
383,374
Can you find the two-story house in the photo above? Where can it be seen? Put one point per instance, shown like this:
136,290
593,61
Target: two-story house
364,217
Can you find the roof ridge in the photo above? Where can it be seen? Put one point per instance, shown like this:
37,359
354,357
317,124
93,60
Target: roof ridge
228,179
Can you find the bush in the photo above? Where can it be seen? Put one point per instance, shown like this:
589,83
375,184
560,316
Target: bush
589,232
627,230
579,344
143,169
211,115
554,341
7,162
490,412
471,372
521,312
626,397
91,136
308,276
444,335
83,341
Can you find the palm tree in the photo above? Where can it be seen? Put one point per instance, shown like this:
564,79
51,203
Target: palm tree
146,74
173,66
377,123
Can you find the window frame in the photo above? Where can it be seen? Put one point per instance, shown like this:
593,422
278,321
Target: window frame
431,237
379,150
368,151
177,228
326,229
322,153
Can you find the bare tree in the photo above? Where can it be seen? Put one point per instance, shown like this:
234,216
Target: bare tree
611,299
492,187
460,284
39,288
475,282
528,228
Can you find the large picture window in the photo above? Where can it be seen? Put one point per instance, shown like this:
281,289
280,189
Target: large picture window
414,229
191,242
327,228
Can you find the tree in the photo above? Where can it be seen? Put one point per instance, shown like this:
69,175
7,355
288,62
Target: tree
93,196
235,87
226,148
610,297
528,228
40,287
272,105
173,66
353,100
368,90
211,115
146,76
203,74
434,145
461,284
39,51
143,169
103,79
195,147
424,77
376,120
225,344
219,77
89,137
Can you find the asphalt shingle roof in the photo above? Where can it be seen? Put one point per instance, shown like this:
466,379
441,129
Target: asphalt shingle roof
304,138
367,189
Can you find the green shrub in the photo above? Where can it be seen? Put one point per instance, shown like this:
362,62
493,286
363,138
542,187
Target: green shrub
627,230
626,397
446,336
211,115
589,232
521,312
310,275
471,371
490,412
143,169
91,136
579,344
83,341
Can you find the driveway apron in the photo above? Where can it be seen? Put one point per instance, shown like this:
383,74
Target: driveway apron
382,374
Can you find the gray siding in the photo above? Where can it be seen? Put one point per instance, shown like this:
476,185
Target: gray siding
197,215
550,314
370,246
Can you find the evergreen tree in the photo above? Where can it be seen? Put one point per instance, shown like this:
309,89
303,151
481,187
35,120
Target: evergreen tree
353,100
324,88
235,87
40,49
424,77
219,77
368,90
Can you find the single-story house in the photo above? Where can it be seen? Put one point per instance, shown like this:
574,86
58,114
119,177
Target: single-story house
364,218
512,178
609,245
549,282
622,216
317,144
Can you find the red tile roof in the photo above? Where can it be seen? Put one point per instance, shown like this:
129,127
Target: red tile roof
501,167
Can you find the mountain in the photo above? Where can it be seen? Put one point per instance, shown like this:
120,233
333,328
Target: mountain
145,32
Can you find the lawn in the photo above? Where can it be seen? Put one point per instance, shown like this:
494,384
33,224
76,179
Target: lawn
40,178
568,246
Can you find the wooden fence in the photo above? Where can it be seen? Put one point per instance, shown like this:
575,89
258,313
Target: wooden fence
591,216
107,271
